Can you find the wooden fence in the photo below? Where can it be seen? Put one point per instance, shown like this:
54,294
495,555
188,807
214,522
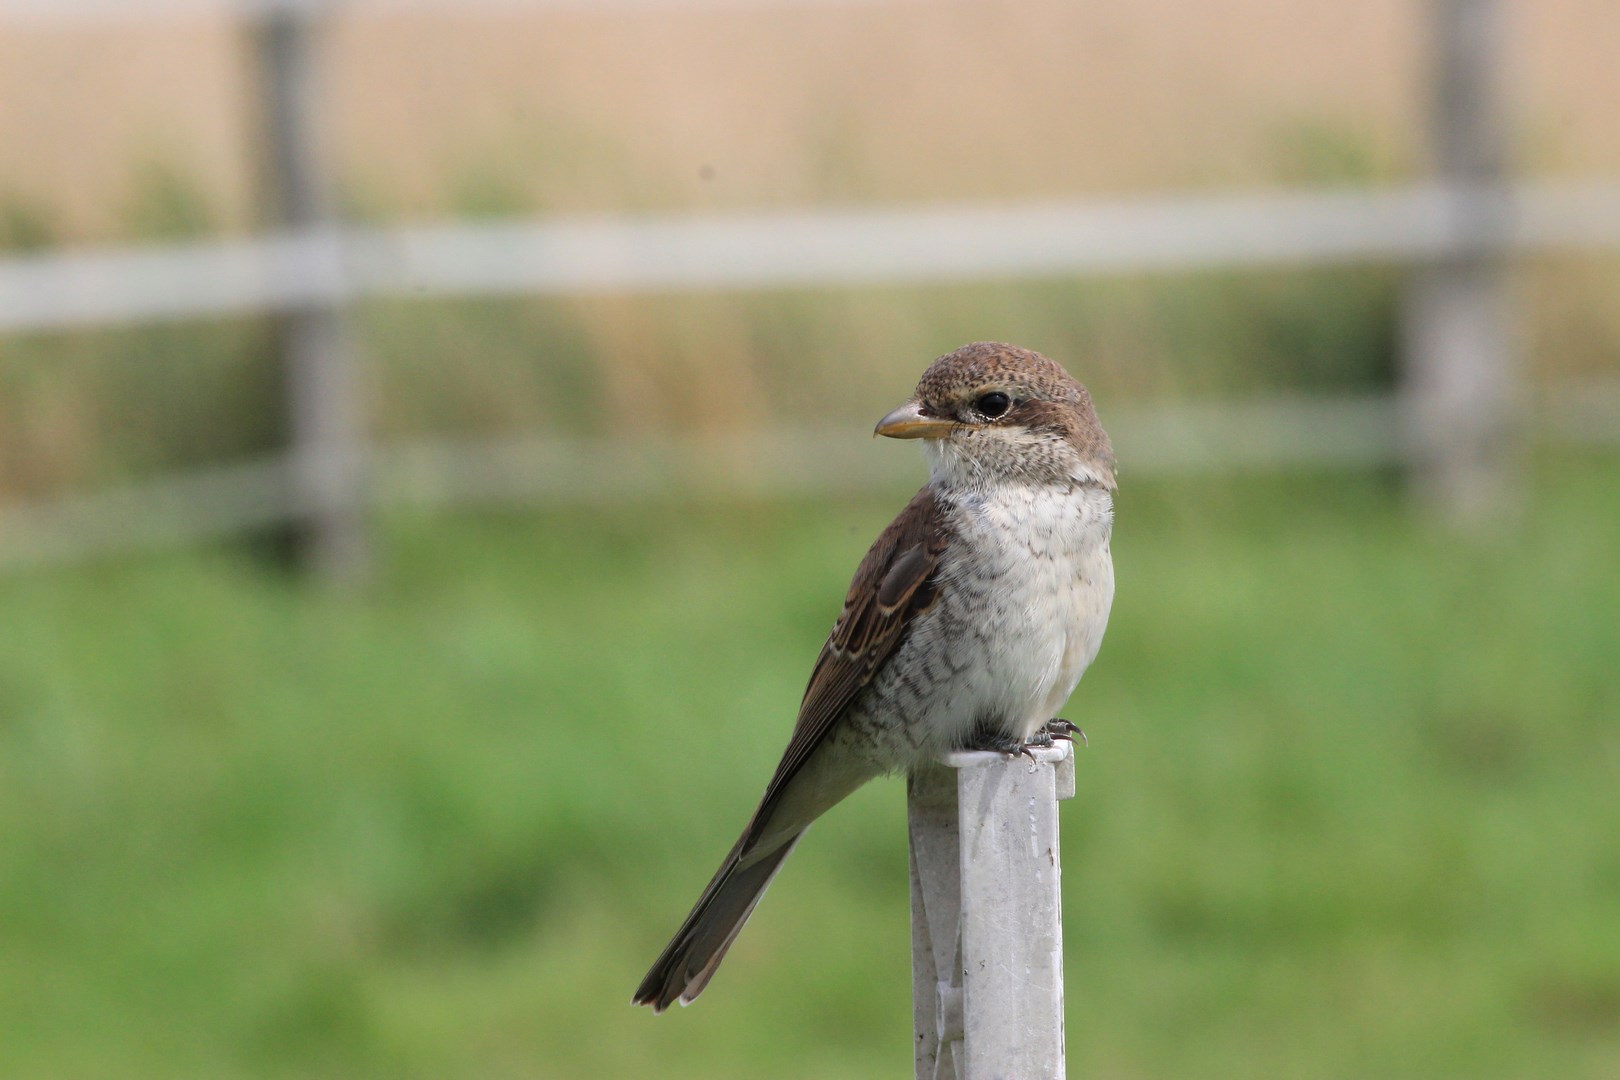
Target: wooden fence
1460,389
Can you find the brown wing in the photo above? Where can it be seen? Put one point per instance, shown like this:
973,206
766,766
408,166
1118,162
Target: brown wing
894,583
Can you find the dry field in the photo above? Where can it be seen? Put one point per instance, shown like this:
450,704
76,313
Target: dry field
723,106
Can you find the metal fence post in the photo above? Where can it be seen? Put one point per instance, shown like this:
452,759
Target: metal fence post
987,915
324,396
1460,387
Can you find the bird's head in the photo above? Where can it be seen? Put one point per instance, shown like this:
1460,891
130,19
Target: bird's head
993,412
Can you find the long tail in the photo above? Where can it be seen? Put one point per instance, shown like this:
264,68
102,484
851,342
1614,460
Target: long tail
691,957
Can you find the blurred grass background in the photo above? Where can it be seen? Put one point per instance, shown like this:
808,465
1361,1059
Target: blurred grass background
1349,805
1348,808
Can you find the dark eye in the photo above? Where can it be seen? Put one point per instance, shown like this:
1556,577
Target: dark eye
993,404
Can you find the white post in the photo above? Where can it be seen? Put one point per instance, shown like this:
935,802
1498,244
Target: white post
987,915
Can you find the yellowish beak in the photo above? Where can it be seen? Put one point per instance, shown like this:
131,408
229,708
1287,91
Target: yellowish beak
908,422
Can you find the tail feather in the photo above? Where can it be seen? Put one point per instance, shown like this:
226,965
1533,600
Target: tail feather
689,961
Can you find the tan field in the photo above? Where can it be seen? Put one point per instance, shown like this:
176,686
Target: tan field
728,106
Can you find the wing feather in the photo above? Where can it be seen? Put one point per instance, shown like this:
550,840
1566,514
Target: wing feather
895,583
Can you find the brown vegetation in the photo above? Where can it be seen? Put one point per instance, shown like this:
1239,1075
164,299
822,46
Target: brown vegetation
722,106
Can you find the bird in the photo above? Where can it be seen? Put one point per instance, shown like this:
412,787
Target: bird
967,625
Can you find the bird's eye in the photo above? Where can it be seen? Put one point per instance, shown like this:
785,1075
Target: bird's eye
993,404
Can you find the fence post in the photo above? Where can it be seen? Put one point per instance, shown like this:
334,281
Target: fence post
324,396
987,915
1460,388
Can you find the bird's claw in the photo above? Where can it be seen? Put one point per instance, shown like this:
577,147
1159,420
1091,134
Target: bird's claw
1014,750
1062,729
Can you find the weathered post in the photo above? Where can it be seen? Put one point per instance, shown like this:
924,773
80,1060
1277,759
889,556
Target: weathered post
324,397
1459,385
987,915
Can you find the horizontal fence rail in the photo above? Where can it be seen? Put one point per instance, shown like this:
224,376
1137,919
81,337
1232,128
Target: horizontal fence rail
1185,439
829,248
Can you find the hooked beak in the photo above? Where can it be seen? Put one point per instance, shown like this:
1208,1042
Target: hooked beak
908,422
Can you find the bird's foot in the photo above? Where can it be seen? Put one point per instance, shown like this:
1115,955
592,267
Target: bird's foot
997,741
1062,729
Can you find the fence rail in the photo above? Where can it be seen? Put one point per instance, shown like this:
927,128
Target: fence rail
825,248
224,500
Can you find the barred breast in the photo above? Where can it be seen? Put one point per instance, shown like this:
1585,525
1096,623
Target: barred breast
1025,590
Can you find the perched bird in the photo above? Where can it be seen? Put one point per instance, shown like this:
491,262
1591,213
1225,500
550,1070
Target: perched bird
968,623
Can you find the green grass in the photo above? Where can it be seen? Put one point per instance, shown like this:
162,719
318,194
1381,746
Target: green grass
1349,807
